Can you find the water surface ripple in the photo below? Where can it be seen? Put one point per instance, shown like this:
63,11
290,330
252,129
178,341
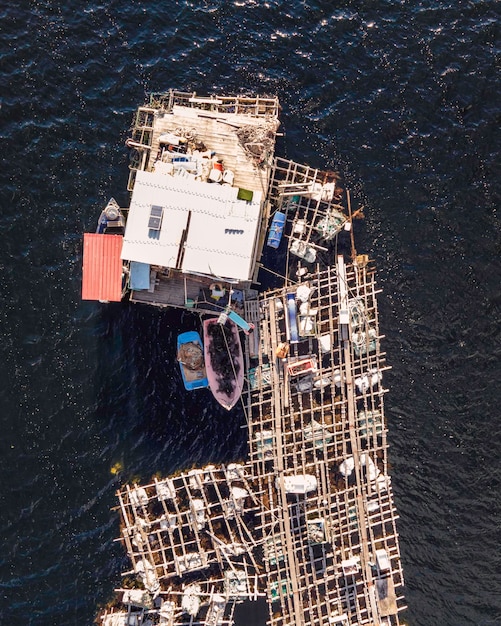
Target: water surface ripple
401,97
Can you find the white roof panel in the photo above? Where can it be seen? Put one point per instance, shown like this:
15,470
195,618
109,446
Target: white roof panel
216,229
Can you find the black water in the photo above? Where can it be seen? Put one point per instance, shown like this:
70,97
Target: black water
403,98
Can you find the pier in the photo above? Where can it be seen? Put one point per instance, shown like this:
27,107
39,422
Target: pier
307,521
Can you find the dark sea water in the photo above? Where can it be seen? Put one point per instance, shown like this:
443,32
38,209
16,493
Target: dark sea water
403,98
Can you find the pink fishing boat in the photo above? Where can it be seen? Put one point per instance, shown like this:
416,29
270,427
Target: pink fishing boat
224,361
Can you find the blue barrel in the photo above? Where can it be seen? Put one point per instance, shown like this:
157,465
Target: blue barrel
276,230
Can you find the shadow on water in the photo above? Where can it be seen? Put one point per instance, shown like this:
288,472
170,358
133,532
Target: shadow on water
158,426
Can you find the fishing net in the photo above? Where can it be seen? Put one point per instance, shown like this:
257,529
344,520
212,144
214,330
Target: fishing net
258,141
191,356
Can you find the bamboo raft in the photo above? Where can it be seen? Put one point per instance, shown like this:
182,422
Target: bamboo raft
308,520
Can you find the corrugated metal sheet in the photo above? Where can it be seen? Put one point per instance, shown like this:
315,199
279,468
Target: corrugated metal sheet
205,228
102,267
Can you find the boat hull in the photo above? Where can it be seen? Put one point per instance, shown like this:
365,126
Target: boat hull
111,221
193,371
224,361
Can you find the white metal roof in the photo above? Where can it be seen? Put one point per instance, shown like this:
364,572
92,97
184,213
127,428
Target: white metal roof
218,230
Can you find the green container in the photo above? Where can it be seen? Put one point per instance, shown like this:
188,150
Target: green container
245,194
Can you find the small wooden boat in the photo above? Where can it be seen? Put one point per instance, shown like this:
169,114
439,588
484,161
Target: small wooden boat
224,361
190,356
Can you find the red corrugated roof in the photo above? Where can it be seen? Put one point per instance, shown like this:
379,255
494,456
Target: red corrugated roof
102,267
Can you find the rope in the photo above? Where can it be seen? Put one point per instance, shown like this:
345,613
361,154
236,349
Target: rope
286,279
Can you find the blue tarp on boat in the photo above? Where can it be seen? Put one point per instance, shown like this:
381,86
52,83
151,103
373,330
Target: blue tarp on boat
276,230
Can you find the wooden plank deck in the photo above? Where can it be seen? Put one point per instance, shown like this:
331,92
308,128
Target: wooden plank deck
173,291
218,137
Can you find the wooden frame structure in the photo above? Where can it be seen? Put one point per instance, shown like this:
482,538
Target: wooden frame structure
316,530
327,424
308,520
191,537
